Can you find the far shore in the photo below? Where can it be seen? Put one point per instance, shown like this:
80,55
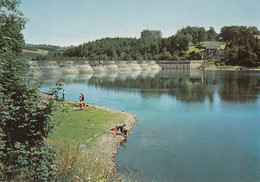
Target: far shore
235,68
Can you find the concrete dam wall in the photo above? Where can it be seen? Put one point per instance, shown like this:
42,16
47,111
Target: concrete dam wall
77,66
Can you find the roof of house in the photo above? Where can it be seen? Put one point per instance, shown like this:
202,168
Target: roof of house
212,46
257,36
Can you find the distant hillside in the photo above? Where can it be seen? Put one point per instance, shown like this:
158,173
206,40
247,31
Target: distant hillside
46,47
150,46
43,51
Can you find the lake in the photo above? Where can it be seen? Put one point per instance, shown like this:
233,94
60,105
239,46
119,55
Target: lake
192,126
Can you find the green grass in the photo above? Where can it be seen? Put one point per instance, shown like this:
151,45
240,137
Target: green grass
213,42
32,54
193,48
80,126
77,128
204,44
225,67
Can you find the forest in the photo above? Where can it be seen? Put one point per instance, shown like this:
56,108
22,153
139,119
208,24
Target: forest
150,46
242,46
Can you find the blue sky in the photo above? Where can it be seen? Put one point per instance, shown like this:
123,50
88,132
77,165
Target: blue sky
73,22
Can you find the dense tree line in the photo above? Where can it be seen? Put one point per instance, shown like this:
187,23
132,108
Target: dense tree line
242,47
150,46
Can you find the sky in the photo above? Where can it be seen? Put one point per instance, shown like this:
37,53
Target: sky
73,22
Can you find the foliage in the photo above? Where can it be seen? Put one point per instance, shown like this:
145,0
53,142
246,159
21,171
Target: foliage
211,34
194,56
207,64
198,34
11,39
150,46
151,35
25,120
229,33
10,13
54,91
25,124
243,48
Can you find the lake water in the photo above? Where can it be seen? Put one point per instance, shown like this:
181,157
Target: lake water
192,126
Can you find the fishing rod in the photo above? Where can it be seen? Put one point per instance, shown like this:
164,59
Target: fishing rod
150,132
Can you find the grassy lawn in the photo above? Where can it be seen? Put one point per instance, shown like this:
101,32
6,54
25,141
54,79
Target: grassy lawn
76,132
193,48
82,126
213,42
225,67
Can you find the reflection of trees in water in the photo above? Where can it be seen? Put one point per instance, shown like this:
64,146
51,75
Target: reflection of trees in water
184,86
241,89
231,86
235,86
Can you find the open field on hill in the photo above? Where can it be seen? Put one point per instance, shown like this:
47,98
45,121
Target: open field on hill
38,51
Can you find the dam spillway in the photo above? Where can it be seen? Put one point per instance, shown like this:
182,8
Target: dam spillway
82,66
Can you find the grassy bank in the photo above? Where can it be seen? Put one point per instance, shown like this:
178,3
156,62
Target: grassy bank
75,138
214,64
80,127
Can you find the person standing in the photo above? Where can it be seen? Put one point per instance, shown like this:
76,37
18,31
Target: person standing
63,94
82,97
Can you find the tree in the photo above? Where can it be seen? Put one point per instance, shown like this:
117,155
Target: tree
25,119
228,33
151,35
165,55
202,36
211,34
242,49
179,42
198,34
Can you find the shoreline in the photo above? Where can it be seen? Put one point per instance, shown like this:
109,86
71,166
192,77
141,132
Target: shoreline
107,146
105,149
238,68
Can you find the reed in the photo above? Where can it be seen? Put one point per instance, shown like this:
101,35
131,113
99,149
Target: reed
75,164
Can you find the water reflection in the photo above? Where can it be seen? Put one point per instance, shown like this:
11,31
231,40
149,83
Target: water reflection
192,124
186,86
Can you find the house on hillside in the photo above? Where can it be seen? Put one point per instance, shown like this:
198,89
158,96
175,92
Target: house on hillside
257,36
212,51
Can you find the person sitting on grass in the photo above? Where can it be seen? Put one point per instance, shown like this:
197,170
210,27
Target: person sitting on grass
121,129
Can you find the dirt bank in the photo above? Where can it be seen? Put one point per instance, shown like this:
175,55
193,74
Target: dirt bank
107,147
